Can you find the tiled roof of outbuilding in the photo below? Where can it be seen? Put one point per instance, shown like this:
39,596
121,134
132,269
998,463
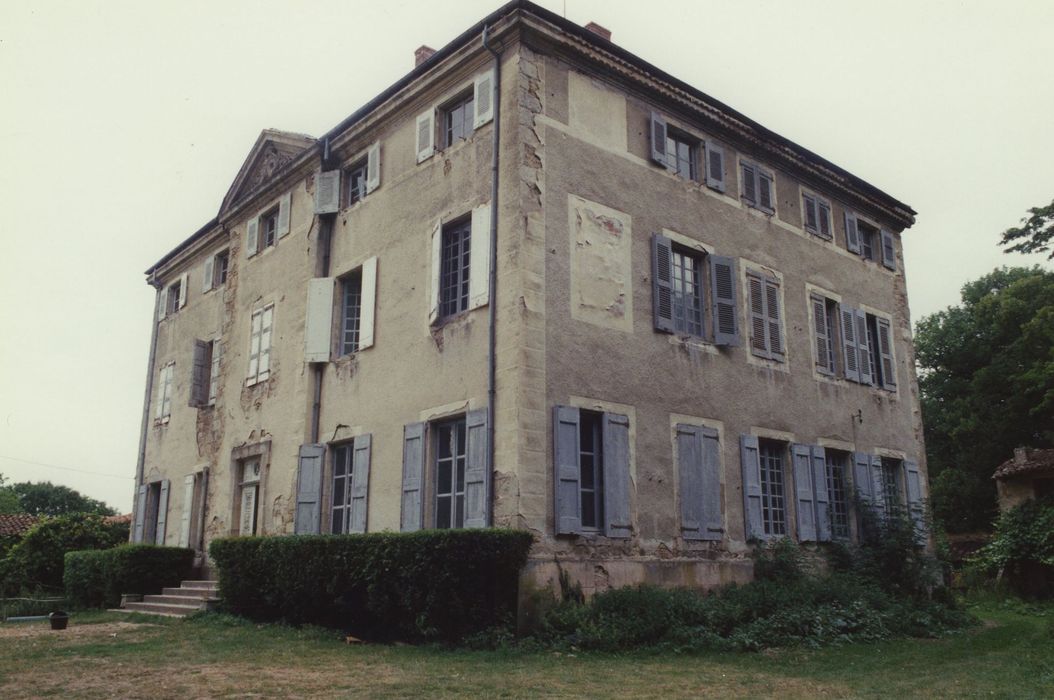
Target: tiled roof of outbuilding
1026,461
16,523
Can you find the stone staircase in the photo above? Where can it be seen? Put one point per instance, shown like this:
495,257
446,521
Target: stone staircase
190,597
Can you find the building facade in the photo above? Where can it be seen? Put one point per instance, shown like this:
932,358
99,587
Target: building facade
540,284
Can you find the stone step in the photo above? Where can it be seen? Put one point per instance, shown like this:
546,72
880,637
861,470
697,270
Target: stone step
162,608
198,601
191,593
200,584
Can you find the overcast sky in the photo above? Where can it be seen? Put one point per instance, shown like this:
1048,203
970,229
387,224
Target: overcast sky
124,122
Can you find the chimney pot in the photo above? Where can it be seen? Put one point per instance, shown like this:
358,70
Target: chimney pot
598,30
1020,455
422,54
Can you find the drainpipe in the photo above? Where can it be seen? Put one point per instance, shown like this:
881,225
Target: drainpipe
325,230
492,307
145,425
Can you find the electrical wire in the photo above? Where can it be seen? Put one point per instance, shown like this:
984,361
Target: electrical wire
65,469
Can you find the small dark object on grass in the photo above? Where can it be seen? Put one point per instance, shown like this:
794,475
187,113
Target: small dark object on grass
59,620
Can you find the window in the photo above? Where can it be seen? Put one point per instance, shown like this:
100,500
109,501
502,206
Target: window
269,226
456,119
214,371
220,268
869,240
817,215
151,512
686,283
450,454
837,494
454,268
773,500
350,312
757,187
163,394
682,154
175,294
825,330
203,371
867,341
890,486
351,473
248,495
260,345
356,176
591,470
766,332
687,291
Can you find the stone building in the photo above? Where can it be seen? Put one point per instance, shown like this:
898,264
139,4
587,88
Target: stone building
1028,475
537,283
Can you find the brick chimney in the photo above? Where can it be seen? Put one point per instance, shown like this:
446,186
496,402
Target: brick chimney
598,30
422,54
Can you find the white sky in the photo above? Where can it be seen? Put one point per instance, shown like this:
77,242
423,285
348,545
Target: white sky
124,122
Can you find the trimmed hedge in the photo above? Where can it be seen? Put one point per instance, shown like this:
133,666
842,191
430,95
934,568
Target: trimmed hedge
36,562
97,578
428,585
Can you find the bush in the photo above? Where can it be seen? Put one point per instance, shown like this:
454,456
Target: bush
429,585
98,578
36,562
1022,549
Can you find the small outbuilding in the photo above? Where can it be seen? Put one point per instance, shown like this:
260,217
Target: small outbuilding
1030,474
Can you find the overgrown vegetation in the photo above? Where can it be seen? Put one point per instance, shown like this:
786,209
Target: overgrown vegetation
1022,550
429,585
98,578
45,498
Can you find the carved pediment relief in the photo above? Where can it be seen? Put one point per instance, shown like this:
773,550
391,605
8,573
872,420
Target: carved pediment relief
271,153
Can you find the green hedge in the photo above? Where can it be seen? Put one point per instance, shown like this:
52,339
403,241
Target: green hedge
36,562
97,578
434,584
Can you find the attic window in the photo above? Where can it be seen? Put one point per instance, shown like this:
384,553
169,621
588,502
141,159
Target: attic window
357,176
269,225
457,119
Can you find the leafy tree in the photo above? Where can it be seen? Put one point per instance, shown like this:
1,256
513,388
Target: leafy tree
46,498
9,502
1035,235
37,560
987,384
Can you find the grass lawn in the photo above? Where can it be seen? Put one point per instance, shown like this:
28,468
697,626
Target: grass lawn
112,655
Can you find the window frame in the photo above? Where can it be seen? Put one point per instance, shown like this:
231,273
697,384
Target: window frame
757,174
701,294
164,398
172,305
358,168
220,272
770,491
770,288
837,464
822,213
268,218
832,323
463,102
344,346
892,469
257,376
870,237
678,137
458,462
455,268
347,449
591,422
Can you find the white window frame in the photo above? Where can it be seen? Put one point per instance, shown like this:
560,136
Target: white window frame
163,411
259,333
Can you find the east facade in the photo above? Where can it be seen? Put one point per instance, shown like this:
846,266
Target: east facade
539,284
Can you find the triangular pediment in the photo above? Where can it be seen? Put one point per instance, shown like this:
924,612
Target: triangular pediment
271,152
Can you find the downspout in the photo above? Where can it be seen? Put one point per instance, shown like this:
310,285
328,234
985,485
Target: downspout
145,425
492,306
325,229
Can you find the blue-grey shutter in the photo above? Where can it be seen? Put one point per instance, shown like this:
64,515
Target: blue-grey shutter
811,213
878,490
662,282
162,513
477,472
805,492
617,482
723,290
713,516
308,517
690,476
748,176
772,311
360,483
140,514
822,498
566,473
658,140
715,166
759,341
889,251
825,219
201,368
850,356
751,462
822,335
913,485
863,348
765,187
412,513
885,354
852,234
865,490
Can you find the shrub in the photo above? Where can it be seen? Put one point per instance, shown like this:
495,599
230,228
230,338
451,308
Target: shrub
1022,548
36,561
98,578
436,584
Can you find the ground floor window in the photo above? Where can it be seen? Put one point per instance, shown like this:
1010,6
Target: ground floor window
249,487
773,500
450,473
890,485
591,469
342,476
837,495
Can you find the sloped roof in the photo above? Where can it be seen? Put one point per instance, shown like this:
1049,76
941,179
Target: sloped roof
271,152
16,523
1026,461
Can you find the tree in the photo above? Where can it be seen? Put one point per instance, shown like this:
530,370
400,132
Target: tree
9,502
36,562
46,498
986,377
1035,235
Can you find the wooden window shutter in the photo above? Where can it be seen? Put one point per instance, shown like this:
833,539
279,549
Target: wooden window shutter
568,513
214,372
824,211
713,514
766,198
690,477
885,353
715,166
252,237
811,215
373,167
658,140
851,366
724,291
207,274
308,517
751,463
426,134
266,330
327,192
863,348
284,213
483,98
437,258
805,492
878,487
159,393
617,483
254,346
772,310
662,282
162,304
889,250
412,511
852,233
479,258
821,335
200,368
749,178
140,514
477,470
184,283
916,506
865,491
759,343
821,498
318,321
368,303
162,513
188,509
360,483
